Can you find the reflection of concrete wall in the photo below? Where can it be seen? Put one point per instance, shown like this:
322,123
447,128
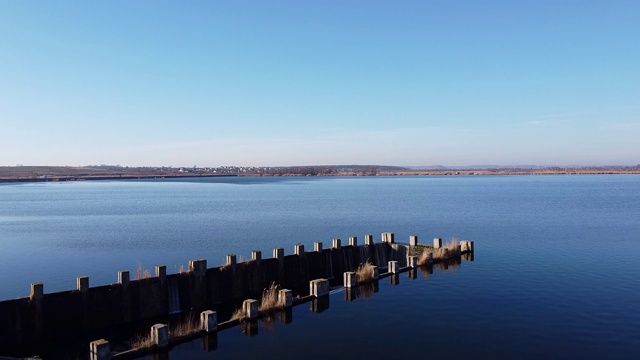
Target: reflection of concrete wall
72,314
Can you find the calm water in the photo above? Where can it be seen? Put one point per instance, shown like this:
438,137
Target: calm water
554,275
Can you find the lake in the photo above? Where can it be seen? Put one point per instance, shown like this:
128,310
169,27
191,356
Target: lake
554,275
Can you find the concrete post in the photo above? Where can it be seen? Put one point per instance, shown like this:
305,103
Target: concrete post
99,350
278,253
337,243
413,240
463,245
413,261
437,243
353,241
231,260
368,239
375,272
82,283
123,278
37,292
319,287
285,298
161,272
256,255
394,267
160,335
198,266
470,244
209,321
349,278
387,237
250,308
317,246
298,249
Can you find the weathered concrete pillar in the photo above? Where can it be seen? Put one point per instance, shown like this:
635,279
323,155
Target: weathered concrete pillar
37,292
298,249
349,279
376,275
36,298
160,335
353,241
437,243
231,260
388,237
368,239
319,287
463,245
209,321
123,278
412,261
199,285
250,308
82,283
161,272
337,244
285,298
99,350
198,266
256,255
317,246
394,267
413,240
278,253
470,244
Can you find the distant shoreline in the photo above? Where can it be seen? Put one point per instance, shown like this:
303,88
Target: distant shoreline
60,174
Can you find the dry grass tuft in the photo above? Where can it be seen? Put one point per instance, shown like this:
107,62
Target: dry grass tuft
142,273
269,300
364,273
189,325
447,251
142,342
238,315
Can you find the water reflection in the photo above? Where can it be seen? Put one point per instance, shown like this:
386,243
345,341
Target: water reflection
319,305
394,279
250,327
209,342
365,292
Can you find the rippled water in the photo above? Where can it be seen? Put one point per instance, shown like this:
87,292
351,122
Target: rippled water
554,275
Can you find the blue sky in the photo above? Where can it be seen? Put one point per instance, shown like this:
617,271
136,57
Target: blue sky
211,83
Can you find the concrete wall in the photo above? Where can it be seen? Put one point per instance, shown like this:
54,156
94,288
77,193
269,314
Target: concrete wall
72,315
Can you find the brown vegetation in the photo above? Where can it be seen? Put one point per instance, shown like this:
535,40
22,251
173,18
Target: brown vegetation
364,273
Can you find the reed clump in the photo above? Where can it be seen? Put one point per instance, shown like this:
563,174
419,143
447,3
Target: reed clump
238,314
448,250
142,342
142,273
269,300
188,326
365,272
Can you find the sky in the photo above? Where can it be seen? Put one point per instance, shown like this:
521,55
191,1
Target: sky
277,83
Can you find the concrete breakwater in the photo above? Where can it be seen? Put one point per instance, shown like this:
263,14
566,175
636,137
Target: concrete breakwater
86,313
